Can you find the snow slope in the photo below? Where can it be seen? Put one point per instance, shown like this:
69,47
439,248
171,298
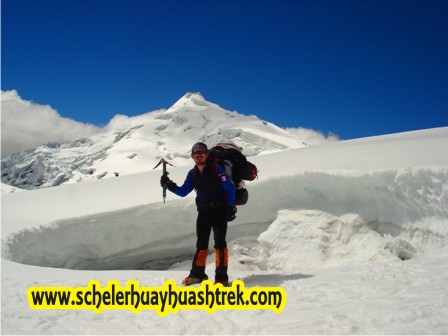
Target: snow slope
356,232
6,189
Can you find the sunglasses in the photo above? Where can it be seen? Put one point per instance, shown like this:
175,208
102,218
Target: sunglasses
199,153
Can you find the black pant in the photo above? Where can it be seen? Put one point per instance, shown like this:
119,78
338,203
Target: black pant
207,220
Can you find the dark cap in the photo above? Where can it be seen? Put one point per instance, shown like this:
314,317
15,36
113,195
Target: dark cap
199,145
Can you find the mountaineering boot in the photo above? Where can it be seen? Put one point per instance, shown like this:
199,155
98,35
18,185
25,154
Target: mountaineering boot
221,262
223,283
197,273
189,280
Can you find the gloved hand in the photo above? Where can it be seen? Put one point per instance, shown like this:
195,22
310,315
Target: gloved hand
230,213
165,182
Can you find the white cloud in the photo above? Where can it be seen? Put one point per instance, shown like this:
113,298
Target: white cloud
27,125
312,137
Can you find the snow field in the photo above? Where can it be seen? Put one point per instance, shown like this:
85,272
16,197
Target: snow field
359,244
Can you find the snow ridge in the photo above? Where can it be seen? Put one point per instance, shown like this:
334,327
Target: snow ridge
380,215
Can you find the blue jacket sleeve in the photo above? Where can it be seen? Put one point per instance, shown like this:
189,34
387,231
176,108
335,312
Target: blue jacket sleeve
227,185
187,187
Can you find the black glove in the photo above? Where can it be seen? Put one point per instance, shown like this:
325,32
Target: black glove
165,182
230,213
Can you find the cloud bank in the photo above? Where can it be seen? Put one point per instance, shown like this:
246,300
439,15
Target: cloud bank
27,125
311,137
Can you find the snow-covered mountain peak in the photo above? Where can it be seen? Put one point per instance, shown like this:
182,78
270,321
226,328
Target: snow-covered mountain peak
191,100
130,145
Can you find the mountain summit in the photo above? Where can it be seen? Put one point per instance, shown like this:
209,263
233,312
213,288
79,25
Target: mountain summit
191,100
131,145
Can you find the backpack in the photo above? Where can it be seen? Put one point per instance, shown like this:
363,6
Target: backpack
237,167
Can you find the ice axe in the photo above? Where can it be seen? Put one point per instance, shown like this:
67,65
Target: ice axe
165,173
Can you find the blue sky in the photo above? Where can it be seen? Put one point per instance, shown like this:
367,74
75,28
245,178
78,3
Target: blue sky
355,68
